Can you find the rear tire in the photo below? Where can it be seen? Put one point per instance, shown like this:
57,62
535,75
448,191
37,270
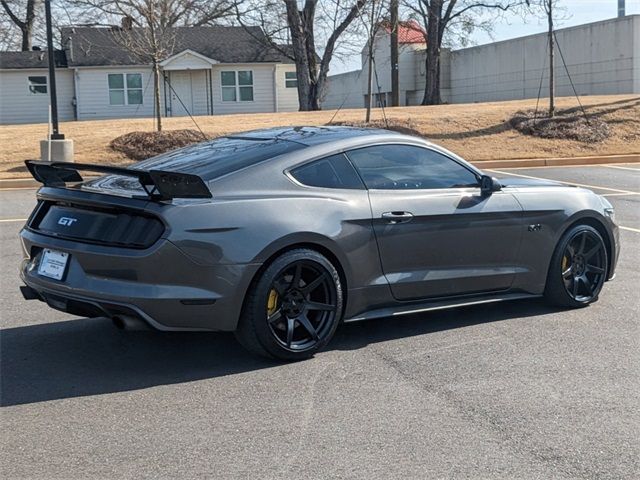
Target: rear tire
294,307
578,268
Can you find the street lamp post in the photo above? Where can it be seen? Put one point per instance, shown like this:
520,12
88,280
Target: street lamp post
55,147
55,135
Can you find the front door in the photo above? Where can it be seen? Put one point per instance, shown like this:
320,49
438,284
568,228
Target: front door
181,93
437,234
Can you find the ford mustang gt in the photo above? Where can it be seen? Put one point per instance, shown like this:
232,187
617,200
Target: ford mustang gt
280,235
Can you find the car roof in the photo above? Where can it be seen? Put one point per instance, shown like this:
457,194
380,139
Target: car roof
312,135
223,155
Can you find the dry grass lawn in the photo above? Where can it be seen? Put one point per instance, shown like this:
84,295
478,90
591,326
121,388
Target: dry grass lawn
475,131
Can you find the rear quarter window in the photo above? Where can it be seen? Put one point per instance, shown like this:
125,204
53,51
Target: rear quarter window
330,172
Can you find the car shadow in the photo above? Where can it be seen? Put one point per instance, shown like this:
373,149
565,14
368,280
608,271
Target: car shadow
85,357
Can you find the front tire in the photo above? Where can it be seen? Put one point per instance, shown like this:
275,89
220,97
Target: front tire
578,268
294,307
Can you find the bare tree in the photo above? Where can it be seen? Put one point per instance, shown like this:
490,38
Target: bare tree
146,28
300,32
23,21
440,16
549,10
376,17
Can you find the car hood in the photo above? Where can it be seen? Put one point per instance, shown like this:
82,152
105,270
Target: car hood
528,182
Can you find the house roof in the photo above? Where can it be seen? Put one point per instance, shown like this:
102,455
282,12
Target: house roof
91,46
408,32
31,59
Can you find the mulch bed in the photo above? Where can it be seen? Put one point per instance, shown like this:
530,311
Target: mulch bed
563,125
142,145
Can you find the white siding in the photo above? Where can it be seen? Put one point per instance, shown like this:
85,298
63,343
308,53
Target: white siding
199,87
263,90
93,94
186,61
19,105
287,97
198,102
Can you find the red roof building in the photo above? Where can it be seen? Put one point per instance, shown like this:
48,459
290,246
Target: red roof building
408,32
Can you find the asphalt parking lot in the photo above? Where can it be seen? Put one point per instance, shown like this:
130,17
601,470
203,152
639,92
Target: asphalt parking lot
513,390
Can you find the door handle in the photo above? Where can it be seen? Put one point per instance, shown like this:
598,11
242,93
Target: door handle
397,217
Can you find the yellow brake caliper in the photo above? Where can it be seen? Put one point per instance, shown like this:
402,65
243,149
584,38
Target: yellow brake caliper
565,260
272,302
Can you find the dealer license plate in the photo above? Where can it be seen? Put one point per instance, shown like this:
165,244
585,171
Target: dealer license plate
53,264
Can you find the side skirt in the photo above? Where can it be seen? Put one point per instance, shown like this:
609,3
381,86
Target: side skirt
439,305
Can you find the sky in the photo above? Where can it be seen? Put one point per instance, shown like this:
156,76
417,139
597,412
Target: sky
576,12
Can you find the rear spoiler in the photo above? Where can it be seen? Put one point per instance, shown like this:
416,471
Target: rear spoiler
158,184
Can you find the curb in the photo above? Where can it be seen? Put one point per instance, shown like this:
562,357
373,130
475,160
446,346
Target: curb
10,183
557,162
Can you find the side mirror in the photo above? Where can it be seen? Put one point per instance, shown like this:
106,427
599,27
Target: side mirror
488,185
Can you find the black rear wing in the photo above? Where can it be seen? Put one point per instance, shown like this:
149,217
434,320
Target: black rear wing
158,184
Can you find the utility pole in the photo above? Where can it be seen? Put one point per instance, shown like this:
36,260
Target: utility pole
395,68
552,106
55,135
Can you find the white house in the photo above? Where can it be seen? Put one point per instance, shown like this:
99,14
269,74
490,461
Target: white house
212,71
602,58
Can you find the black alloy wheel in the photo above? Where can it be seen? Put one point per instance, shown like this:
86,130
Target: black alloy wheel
302,305
578,269
295,307
584,266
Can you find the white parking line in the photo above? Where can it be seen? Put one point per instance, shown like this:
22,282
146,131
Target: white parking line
629,229
566,183
8,220
622,168
619,194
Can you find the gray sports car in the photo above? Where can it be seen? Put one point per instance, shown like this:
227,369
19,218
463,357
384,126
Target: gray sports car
281,234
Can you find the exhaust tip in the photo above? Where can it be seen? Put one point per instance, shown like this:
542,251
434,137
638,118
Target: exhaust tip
123,322
118,322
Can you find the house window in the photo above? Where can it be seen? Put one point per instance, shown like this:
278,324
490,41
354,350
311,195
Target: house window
125,89
38,85
237,86
290,80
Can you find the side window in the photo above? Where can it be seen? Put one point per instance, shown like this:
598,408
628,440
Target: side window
125,89
407,167
290,80
329,172
37,85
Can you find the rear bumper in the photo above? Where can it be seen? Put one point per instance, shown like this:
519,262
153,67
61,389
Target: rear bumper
160,285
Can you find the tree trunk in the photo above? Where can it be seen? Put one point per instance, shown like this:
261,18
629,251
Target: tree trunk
26,38
312,76
26,26
156,94
369,84
552,86
395,73
299,44
370,64
432,67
